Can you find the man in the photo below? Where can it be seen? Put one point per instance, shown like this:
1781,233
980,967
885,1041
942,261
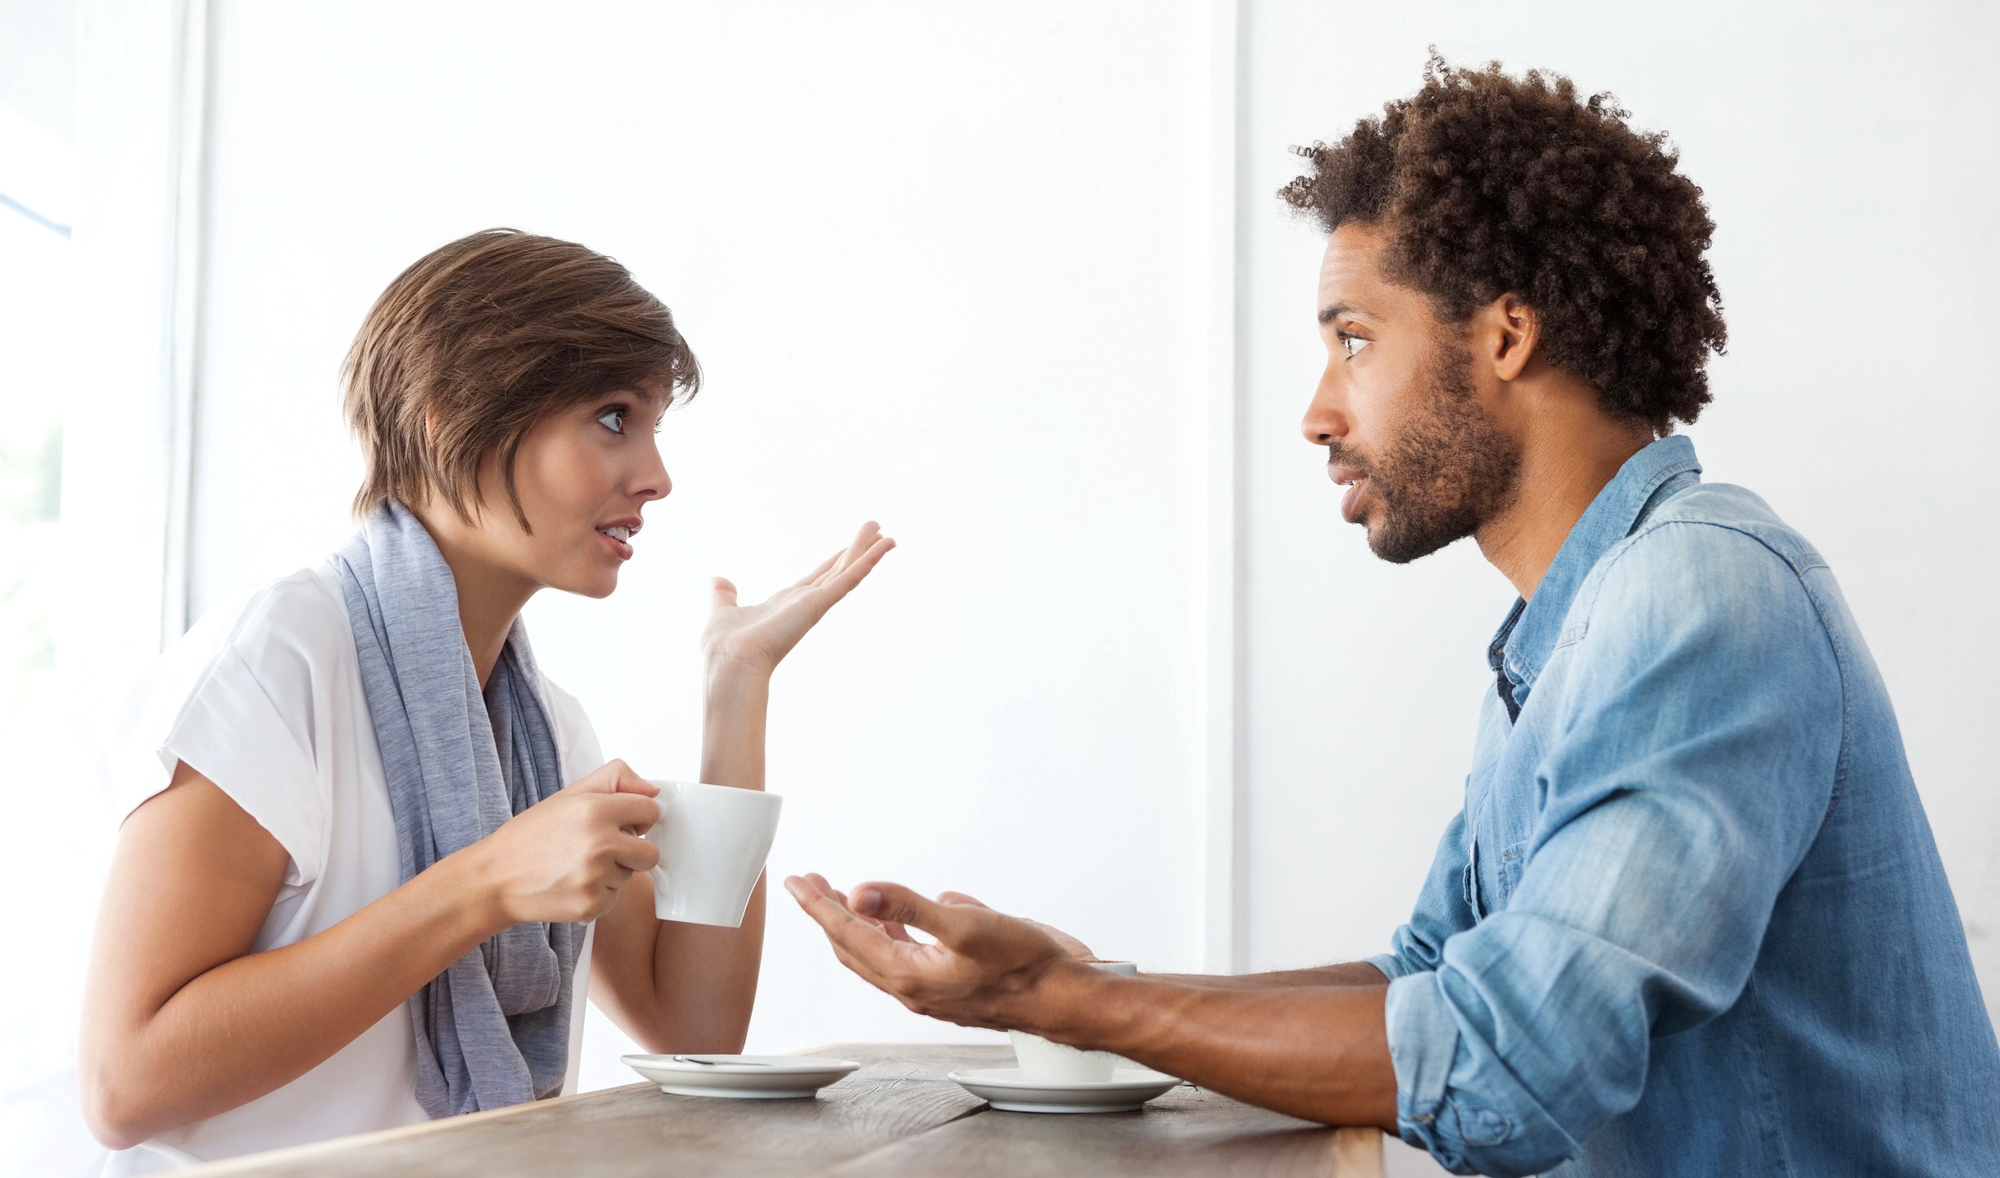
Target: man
1691,919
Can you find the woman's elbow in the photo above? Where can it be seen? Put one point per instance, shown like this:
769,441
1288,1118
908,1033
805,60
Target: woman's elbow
117,1116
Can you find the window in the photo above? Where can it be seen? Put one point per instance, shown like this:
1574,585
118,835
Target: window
42,785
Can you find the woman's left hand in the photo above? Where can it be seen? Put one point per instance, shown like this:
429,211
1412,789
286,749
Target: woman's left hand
756,637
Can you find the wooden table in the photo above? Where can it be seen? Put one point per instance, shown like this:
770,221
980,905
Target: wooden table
897,1116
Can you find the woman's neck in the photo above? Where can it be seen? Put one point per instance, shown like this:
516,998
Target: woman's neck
490,595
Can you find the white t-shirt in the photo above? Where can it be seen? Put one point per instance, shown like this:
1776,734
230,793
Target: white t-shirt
264,698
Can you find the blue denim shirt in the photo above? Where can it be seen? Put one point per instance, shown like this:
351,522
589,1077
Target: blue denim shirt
1691,919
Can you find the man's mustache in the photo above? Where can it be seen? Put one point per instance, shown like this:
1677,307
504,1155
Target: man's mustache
1353,460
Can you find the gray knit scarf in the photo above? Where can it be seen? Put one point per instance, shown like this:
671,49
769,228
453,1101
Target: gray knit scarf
493,1028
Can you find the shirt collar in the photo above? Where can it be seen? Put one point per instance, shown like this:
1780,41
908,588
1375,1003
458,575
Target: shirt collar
1527,637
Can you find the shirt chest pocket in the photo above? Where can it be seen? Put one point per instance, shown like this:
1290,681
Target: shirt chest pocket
1490,879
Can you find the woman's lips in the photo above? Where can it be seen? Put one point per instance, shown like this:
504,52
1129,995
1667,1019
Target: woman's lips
619,547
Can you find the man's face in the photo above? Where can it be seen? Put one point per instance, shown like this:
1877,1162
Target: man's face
1399,411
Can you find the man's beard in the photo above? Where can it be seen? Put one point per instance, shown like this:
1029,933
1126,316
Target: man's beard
1449,471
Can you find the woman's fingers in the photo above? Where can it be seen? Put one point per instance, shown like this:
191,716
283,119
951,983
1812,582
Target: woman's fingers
845,579
820,571
869,536
629,809
627,781
723,593
635,855
864,536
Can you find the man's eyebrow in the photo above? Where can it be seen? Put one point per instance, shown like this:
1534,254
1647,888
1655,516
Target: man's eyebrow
1329,313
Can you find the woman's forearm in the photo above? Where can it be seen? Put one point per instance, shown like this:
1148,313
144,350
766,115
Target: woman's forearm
250,1025
704,977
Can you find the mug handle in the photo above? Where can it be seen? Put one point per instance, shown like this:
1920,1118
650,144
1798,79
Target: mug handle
663,884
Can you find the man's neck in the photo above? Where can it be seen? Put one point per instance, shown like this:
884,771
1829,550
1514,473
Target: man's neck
1569,451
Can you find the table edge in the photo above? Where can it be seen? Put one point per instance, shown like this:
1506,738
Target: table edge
298,1153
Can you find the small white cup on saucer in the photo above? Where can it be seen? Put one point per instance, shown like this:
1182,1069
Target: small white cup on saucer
713,841
1043,1062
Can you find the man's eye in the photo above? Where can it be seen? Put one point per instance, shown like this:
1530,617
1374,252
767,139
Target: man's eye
1352,344
613,420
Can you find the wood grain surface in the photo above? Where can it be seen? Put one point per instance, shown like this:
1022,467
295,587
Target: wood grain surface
897,1116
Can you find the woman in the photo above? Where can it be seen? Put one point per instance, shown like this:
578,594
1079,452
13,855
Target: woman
372,860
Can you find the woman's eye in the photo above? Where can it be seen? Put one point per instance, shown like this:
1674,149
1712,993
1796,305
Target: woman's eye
1352,344
613,420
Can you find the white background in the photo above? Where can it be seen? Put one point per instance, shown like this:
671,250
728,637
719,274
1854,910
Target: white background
949,266
1850,155
940,269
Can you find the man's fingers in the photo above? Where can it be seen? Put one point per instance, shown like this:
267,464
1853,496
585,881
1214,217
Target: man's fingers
854,938
821,903
722,593
896,931
894,903
962,900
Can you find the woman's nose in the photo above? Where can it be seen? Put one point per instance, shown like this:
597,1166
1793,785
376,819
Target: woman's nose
653,482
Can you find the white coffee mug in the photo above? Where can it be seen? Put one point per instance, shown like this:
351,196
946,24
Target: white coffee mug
1043,1062
713,841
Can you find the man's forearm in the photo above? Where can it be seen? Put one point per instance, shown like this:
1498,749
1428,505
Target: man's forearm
1318,1051
1353,973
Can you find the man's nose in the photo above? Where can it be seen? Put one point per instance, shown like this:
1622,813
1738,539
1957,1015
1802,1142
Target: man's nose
1326,417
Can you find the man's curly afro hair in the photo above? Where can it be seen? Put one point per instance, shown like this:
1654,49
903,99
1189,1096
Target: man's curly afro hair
1490,184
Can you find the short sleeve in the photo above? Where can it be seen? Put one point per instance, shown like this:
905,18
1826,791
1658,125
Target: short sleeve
235,700
576,738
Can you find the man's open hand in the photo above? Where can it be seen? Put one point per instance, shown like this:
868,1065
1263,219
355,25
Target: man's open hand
980,973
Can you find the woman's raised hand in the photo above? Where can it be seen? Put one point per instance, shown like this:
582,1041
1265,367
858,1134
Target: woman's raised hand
565,857
756,637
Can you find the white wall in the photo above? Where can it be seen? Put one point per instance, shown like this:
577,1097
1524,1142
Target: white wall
941,270
1850,155
944,265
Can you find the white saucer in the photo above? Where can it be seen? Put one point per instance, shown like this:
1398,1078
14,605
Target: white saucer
742,1077
1004,1089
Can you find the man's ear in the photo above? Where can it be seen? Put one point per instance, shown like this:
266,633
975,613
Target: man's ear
1516,330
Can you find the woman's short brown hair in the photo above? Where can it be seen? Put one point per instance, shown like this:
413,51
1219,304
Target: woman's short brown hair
480,339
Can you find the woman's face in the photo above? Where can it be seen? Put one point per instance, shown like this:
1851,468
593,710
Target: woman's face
583,475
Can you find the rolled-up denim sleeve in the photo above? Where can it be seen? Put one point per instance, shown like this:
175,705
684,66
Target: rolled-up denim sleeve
1440,912
1692,746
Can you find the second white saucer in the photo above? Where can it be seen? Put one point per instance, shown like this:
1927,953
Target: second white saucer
743,1077
1006,1090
